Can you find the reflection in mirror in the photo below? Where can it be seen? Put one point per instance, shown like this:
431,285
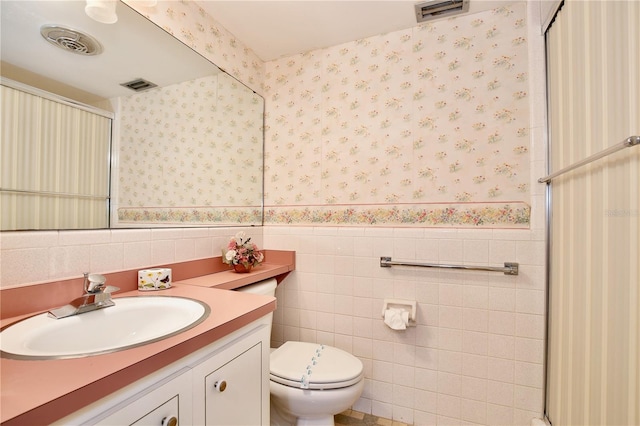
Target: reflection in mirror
186,153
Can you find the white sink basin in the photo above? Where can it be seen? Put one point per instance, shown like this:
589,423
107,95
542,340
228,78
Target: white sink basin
133,321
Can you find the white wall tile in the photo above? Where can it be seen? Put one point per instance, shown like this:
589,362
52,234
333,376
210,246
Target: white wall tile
500,346
71,238
130,235
527,398
451,251
450,361
502,299
137,255
426,379
185,250
28,239
450,339
450,317
530,301
450,294
449,406
24,265
382,409
474,365
502,322
474,342
499,415
382,371
529,374
500,393
450,384
427,358
69,261
163,251
502,370
403,396
531,326
476,251
473,388
107,257
530,350
474,411
475,296
475,319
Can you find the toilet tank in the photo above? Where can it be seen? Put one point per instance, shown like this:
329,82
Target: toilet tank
266,288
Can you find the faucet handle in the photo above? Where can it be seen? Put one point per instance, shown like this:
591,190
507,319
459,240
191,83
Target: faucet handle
94,283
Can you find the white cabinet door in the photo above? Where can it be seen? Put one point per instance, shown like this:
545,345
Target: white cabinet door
232,391
166,405
232,387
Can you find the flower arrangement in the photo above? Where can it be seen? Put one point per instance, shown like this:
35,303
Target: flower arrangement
241,251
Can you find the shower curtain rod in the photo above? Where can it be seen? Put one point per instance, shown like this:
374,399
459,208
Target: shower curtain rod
627,143
510,268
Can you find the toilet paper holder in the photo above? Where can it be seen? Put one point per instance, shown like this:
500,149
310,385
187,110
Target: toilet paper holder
407,305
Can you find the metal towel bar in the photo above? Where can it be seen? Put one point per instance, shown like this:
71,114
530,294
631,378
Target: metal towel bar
627,143
510,268
54,194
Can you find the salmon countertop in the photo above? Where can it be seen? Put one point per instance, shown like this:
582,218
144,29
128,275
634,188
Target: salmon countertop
40,392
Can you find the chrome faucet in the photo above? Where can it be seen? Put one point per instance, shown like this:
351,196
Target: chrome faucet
96,296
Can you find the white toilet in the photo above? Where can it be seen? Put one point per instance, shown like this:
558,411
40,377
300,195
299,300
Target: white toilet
310,383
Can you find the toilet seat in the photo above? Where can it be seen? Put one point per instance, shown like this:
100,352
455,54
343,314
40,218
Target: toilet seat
314,366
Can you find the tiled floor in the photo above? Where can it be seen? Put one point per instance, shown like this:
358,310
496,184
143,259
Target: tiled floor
355,418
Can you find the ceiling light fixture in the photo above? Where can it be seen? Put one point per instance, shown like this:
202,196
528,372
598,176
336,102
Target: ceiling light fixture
103,11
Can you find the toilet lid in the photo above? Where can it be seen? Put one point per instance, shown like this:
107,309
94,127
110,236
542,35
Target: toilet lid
314,366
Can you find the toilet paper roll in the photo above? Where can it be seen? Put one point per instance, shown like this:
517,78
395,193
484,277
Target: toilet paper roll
396,319
154,279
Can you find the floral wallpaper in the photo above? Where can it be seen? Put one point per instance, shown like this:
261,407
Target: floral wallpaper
428,126
189,23
192,163
191,153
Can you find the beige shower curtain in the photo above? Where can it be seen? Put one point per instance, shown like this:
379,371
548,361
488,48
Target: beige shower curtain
594,319
54,161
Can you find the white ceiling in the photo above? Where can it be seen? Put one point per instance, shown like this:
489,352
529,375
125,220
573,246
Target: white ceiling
279,28
271,28
133,48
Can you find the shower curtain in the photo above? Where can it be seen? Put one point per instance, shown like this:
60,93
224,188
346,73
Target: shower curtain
593,367
54,163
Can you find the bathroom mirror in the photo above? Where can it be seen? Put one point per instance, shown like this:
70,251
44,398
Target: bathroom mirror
174,146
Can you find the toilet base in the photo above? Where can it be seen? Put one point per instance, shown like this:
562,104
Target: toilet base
301,407
278,418
318,421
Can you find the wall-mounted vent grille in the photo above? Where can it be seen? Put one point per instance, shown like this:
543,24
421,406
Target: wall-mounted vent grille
139,85
437,9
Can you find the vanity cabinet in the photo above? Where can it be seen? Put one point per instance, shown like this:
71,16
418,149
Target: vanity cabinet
166,404
225,383
229,387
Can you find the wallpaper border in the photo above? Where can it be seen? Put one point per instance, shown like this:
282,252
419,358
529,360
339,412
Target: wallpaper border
461,215
191,215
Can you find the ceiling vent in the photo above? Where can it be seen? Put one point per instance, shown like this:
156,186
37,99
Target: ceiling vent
437,9
139,85
71,40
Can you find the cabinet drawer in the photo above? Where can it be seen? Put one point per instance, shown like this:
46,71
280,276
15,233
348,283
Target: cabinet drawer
170,400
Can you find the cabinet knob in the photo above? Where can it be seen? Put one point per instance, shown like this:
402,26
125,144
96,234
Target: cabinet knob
170,421
220,385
